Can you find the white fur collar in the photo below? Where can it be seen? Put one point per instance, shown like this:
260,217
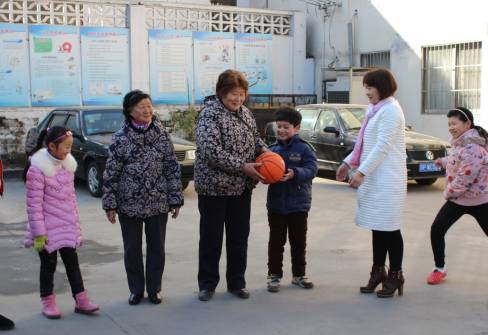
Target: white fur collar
46,163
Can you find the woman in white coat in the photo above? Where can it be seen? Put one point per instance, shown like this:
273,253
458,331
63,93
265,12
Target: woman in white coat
377,167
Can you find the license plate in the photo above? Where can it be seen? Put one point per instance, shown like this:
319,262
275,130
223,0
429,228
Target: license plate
428,167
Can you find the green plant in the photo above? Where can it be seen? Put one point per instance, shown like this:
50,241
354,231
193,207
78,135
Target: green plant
184,122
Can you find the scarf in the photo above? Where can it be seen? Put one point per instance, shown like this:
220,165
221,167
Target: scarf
140,125
370,113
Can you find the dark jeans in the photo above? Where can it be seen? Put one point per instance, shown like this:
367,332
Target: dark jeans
296,225
155,229
48,267
217,212
391,243
447,216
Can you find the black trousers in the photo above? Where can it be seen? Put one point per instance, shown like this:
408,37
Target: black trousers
391,243
447,216
155,229
48,267
296,226
217,212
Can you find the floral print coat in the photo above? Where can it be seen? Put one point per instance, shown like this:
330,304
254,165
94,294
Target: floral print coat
467,170
142,177
225,142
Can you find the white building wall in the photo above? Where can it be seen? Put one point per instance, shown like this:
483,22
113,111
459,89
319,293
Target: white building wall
401,27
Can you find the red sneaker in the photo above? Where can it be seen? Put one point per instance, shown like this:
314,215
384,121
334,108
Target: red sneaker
436,277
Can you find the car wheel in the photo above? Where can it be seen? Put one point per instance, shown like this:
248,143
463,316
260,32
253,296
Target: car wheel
185,184
94,179
428,181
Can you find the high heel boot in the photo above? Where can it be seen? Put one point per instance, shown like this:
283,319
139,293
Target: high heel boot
378,276
394,282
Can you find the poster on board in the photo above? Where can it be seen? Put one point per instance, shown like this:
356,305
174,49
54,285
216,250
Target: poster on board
14,65
105,64
54,65
213,53
171,66
253,57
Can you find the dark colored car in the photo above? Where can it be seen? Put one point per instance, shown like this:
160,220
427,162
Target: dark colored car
333,128
92,131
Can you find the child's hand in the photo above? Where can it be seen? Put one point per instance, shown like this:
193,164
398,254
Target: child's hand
39,243
287,176
438,162
342,171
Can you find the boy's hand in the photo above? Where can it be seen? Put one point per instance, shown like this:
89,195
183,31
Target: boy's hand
39,242
287,176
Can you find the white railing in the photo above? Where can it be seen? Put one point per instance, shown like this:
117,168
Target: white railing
114,13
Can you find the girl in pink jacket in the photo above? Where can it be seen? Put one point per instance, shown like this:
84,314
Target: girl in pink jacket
53,222
466,189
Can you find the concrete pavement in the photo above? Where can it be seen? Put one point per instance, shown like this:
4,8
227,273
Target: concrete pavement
339,260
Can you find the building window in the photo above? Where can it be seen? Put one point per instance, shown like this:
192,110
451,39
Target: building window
376,59
451,76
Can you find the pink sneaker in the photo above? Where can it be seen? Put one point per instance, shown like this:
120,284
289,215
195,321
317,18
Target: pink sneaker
436,277
49,308
83,304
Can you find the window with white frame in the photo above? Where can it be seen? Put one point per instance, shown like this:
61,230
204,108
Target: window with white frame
451,76
376,59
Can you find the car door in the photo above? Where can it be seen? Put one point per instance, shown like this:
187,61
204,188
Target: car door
327,138
77,150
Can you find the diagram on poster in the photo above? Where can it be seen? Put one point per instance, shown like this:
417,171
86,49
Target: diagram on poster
54,65
14,75
213,53
254,55
171,66
105,63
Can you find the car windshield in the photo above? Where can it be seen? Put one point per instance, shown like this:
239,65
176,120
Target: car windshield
102,121
309,117
352,117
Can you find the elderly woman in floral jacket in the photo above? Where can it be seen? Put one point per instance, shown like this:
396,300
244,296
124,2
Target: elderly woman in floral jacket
142,183
225,174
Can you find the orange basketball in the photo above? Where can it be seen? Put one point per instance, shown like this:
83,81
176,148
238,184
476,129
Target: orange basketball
272,168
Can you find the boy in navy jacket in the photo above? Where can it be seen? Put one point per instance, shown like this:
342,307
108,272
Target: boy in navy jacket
289,200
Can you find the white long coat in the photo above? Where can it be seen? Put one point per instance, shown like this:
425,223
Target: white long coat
381,196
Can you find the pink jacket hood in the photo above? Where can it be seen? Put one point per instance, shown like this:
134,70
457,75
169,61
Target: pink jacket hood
51,202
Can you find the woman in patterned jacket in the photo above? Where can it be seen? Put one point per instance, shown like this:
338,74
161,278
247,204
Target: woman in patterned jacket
142,184
227,145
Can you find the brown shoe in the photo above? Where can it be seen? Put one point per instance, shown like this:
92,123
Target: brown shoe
378,276
394,282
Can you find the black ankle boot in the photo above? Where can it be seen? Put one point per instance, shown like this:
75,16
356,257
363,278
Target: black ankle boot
378,275
394,282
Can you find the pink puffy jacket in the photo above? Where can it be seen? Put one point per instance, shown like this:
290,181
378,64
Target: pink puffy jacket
51,202
467,170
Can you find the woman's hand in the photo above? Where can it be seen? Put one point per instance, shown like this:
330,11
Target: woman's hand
40,242
249,170
287,176
356,179
111,215
342,171
438,162
174,212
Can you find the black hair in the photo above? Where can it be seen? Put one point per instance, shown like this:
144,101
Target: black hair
131,99
383,80
466,115
289,115
49,135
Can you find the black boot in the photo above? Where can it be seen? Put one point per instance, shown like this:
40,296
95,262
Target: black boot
394,282
378,275
6,324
